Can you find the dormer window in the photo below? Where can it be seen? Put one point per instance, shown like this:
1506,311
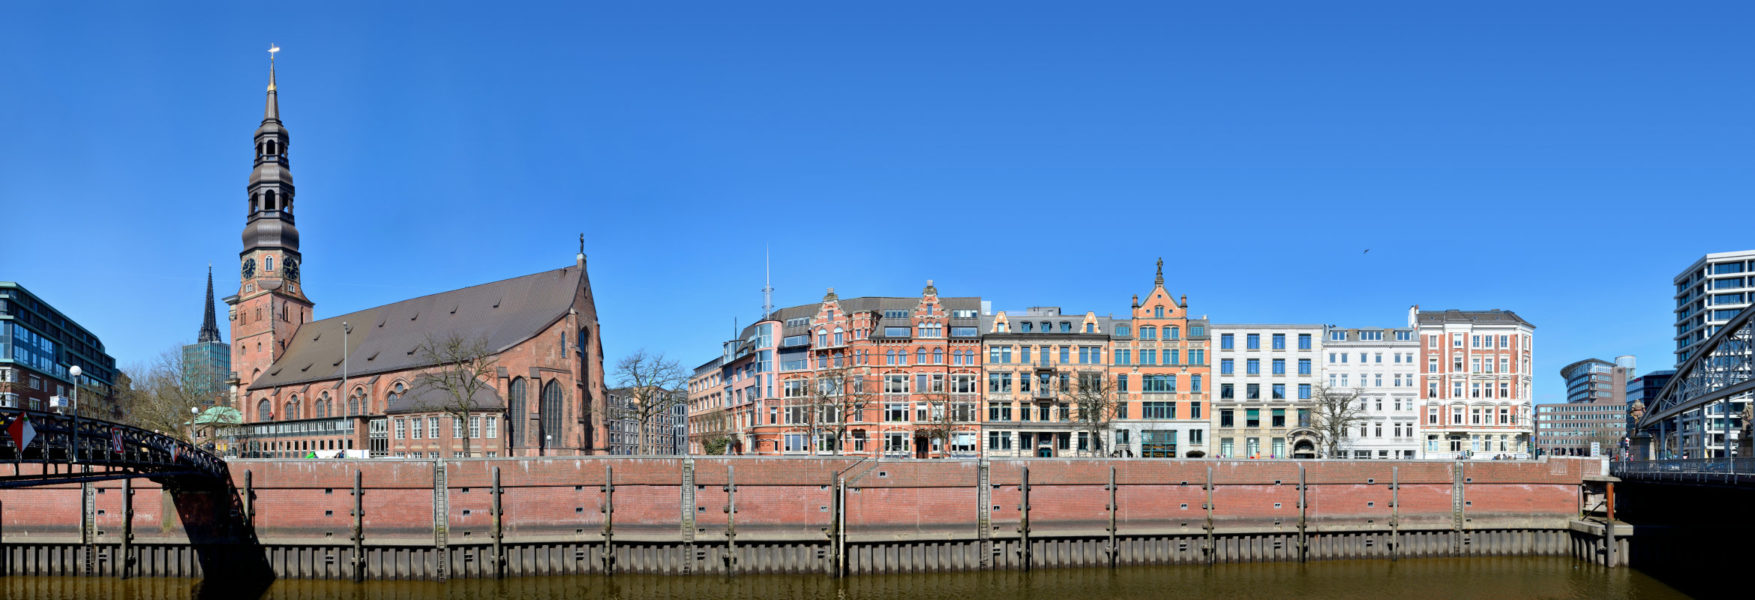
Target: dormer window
1024,326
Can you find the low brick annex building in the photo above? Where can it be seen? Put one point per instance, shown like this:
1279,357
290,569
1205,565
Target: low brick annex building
352,382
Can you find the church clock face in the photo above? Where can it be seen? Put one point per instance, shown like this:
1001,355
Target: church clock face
291,269
249,268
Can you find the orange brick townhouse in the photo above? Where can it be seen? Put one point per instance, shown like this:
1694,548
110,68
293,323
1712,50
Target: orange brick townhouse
907,362
352,382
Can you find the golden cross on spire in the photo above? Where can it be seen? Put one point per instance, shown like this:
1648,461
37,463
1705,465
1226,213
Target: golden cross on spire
271,50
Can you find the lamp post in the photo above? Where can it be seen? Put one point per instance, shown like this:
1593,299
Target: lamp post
74,372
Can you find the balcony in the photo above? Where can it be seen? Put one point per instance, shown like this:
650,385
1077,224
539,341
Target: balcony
1042,395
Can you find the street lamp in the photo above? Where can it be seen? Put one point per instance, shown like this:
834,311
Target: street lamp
74,372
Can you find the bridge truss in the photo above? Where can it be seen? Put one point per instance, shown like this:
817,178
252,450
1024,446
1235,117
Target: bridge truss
66,449
1723,370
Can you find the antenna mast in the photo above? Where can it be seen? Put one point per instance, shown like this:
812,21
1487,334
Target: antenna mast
768,288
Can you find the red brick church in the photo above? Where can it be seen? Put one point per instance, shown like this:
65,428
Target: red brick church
351,382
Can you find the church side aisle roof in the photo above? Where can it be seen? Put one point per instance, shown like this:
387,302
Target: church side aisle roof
385,338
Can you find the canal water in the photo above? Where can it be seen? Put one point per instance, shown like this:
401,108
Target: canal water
1489,577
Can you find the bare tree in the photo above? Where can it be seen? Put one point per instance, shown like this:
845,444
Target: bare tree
158,397
460,368
653,385
1096,403
947,413
838,397
1333,413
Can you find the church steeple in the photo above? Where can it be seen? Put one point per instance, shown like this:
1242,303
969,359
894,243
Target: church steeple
269,234
209,324
270,305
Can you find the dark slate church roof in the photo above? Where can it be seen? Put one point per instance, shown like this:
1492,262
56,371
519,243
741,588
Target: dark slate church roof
384,338
423,398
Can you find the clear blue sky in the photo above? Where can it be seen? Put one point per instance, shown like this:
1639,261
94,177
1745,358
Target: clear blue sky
1562,160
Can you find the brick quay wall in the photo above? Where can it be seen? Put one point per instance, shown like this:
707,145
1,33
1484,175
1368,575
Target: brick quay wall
436,519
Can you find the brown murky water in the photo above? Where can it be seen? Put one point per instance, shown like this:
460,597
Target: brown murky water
1539,577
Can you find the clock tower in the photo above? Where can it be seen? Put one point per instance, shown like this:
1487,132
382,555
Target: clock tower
270,304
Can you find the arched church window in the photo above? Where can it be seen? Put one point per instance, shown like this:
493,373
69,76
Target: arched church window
356,402
517,404
268,200
323,405
553,431
264,411
273,147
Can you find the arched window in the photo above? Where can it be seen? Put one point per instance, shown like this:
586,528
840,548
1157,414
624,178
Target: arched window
517,404
395,394
1175,333
268,261
264,411
273,147
292,409
356,402
259,148
268,200
553,431
920,356
1158,312
938,356
323,405
838,336
822,337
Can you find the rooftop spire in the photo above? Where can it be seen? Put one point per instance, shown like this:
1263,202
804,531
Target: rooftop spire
272,112
209,324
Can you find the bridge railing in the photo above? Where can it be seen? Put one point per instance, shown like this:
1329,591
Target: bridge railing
63,440
1744,466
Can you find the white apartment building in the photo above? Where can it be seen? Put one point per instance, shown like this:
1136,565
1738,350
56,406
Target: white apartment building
1380,365
1474,383
1265,376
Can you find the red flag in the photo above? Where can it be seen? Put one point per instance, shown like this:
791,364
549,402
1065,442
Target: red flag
21,431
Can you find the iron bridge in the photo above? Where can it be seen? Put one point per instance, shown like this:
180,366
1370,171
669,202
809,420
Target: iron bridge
67,449
1723,370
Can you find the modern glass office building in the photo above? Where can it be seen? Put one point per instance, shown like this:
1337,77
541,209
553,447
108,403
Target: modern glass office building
38,344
